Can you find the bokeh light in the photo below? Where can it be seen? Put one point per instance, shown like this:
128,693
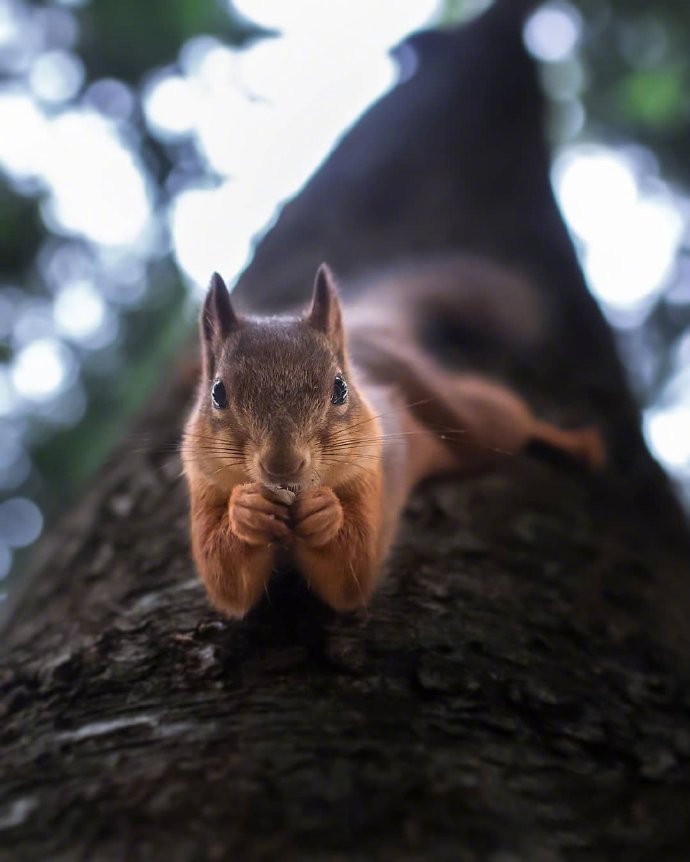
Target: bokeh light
266,117
170,105
553,31
210,228
21,151
82,315
43,369
99,190
21,522
56,76
629,237
339,21
668,433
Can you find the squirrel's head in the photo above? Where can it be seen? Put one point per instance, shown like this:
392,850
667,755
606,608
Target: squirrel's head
276,397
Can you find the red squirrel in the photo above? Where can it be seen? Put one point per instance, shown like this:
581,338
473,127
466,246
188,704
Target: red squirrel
309,434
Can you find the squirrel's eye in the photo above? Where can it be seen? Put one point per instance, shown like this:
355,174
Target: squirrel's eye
218,395
339,395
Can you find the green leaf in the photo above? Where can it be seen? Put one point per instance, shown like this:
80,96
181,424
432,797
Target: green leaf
653,97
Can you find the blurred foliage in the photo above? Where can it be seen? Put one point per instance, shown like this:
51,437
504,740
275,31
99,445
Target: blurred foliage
460,10
119,40
637,63
126,38
154,333
653,98
20,232
637,68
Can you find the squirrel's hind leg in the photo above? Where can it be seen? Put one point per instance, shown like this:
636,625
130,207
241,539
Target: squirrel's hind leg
492,419
585,445
476,420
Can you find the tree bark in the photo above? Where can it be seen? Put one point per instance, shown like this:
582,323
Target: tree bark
517,688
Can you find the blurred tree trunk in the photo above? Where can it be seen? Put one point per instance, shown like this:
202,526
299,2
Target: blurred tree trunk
516,689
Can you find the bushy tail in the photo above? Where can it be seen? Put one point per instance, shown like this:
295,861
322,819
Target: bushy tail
454,299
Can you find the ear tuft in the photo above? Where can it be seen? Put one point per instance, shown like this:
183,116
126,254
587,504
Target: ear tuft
325,313
218,316
218,319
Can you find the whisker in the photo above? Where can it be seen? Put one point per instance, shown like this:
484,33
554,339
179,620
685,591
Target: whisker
213,437
227,467
354,454
210,437
387,413
360,467
344,446
396,436
202,460
218,449
213,441
425,430
208,448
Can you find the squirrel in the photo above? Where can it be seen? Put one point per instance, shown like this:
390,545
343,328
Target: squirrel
310,432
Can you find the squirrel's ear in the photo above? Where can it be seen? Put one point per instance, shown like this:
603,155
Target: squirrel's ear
218,319
325,313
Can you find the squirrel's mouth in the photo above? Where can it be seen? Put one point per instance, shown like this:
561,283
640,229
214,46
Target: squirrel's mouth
294,488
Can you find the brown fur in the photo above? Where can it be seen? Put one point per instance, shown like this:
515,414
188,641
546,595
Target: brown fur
352,465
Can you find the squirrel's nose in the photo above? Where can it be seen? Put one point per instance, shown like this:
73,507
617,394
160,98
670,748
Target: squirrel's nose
283,466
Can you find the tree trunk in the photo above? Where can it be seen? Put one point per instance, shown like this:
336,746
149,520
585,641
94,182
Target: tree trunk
516,689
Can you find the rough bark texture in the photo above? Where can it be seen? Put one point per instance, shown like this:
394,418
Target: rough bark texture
516,691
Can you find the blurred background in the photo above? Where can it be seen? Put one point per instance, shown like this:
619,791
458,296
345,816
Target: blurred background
145,144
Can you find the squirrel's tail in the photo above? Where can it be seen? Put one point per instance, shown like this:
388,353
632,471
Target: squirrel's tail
457,300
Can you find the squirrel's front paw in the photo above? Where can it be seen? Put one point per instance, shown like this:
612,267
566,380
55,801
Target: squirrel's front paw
318,516
256,516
